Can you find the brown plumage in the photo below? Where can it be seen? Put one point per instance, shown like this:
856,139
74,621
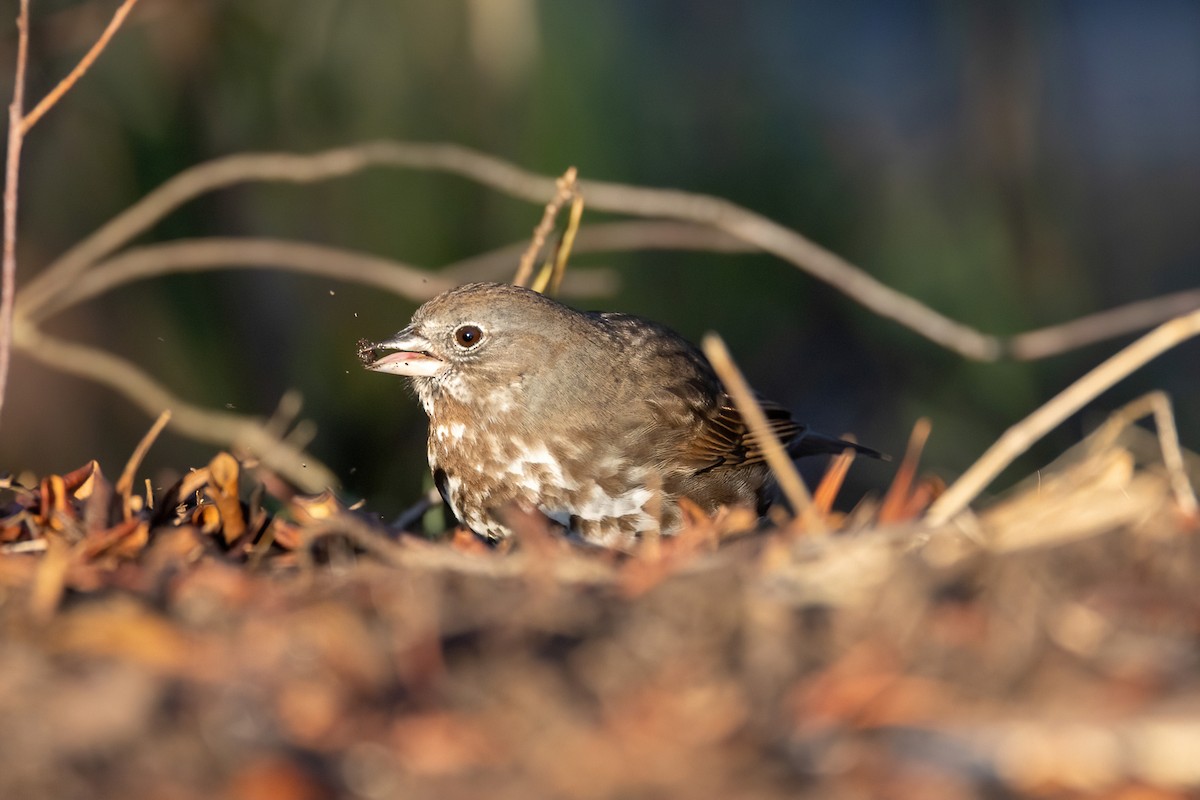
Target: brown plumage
582,416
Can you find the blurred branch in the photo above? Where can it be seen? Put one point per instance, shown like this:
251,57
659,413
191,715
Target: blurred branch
505,177
200,255
404,280
283,167
214,253
1158,405
609,237
16,137
1020,437
702,210
18,125
83,66
1102,325
771,237
707,223
203,425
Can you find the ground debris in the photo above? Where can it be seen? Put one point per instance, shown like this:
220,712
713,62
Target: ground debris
197,644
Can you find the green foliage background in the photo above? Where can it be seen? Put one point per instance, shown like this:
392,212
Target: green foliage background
1012,165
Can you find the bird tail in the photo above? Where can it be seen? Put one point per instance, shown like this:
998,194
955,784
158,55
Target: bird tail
810,443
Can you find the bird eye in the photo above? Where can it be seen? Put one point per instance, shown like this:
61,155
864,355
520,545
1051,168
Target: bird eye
468,336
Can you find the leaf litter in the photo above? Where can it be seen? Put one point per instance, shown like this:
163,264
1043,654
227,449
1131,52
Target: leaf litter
228,636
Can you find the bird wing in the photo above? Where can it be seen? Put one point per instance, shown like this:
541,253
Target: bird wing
724,439
695,423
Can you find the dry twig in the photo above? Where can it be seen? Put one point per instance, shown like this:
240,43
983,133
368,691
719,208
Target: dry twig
18,125
212,253
602,238
567,245
777,458
1103,325
565,188
897,500
502,176
549,279
217,427
8,270
1158,405
1020,437
124,484
703,210
83,66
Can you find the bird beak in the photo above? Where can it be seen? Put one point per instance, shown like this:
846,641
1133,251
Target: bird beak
411,359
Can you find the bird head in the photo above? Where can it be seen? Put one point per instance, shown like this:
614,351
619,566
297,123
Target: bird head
475,340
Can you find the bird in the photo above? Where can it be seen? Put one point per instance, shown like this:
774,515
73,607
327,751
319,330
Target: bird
600,421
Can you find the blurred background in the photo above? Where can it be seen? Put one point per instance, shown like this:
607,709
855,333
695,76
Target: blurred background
1012,165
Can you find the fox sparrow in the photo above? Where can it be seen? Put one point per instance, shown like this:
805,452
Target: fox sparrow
600,421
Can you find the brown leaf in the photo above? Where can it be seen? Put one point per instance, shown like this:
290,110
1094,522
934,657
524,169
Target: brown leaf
123,539
899,502
96,493
309,509
831,482
55,503
80,481
207,518
928,489
223,490
539,536
679,705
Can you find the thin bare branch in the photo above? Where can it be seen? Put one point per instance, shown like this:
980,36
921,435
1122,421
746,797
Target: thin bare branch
1020,437
1158,405
199,255
798,250
83,66
216,253
505,177
1103,325
8,270
124,485
754,230
607,237
777,458
203,425
283,167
